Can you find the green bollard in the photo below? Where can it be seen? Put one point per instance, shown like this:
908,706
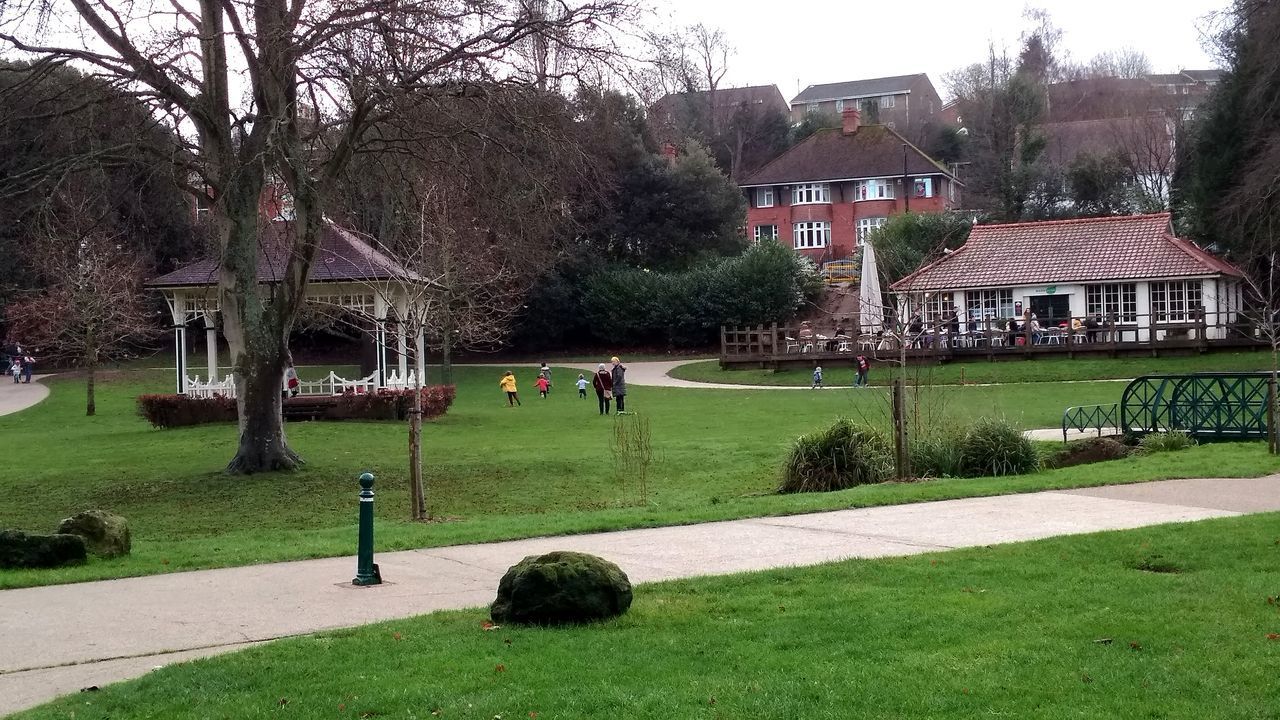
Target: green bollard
366,569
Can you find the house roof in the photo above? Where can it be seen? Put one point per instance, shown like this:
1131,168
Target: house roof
1146,141
1210,76
857,88
1133,247
731,97
342,256
829,154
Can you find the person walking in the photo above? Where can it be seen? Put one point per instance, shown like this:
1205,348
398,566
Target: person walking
619,383
546,373
864,367
582,386
15,369
817,378
508,385
28,366
603,383
542,385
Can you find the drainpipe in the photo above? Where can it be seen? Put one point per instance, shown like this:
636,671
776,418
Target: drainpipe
906,181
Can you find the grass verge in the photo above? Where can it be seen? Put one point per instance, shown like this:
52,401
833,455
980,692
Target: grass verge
1086,626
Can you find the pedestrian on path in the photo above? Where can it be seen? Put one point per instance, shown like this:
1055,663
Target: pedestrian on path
542,385
817,378
28,366
863,367
619,383
508,385
603,383
582,386
15,369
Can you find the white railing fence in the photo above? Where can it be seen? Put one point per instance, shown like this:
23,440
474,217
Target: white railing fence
331,384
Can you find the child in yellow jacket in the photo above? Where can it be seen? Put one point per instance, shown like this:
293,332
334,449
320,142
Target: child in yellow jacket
508,385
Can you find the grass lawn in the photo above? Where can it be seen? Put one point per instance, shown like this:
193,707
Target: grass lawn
1054,629
493,473
1056,369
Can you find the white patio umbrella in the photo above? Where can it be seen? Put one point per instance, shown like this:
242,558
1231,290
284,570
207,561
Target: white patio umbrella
870,309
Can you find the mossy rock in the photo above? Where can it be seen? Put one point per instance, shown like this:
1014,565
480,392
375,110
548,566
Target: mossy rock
22,550
1091,450
105,535
561,588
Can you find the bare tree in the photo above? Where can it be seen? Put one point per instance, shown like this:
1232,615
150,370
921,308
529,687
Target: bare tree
316,75
92,309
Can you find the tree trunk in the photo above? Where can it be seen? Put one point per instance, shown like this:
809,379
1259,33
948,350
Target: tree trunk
90,405
417,491
262,441
446,356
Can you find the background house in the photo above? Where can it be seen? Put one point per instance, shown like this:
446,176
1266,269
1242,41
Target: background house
826,194
906,103
1130,268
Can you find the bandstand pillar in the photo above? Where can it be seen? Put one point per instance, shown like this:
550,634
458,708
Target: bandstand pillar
211,346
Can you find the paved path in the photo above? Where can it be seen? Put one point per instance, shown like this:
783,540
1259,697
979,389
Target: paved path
59,639
20,396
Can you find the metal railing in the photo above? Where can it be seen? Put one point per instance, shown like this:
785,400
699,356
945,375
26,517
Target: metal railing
1207,406
1083,418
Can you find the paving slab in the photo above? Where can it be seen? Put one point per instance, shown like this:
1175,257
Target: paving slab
124,628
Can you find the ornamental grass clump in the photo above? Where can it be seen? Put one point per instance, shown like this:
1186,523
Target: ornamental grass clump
994,447
938,454
839,457
1166,442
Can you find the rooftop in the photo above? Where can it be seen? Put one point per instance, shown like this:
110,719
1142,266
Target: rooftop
857,88
829,154
342,256
1108,249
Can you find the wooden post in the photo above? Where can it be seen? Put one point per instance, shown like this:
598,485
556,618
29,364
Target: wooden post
1273,440
724,345
773,349
902,459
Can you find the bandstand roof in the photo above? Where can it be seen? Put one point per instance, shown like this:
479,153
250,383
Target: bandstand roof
343,256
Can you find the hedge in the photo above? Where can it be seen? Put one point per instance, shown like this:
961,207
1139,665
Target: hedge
168,411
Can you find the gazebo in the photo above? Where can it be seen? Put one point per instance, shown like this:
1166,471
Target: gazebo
348,273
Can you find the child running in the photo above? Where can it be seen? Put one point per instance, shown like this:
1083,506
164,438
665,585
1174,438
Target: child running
542,385
817,378
508,385
582,386
864,366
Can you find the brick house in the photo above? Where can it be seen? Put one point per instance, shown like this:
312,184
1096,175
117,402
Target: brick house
906,103
823,196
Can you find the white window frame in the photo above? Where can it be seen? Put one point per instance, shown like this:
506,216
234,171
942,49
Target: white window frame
864,226
766,236
812,107
886,101
928,188
877,189
995,304
1176,301
939,306
1106,299
811,194
840,106
811,235
764,197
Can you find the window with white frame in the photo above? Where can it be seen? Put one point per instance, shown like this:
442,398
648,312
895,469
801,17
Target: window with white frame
922,187
886,101
938,307
990,304
811,193
812,107
1112,299
881,189
1175,301
839,106
811,235
766,232
764,197
864,226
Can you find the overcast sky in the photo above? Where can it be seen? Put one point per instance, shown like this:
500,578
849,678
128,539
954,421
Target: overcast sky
820,41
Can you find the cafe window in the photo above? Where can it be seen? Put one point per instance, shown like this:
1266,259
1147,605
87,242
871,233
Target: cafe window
991,304
1112,299
938,307
1176,301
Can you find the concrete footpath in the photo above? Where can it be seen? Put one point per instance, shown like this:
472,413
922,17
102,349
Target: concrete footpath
20,396
60,639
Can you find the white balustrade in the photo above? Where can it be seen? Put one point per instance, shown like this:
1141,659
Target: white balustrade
331,384
225,387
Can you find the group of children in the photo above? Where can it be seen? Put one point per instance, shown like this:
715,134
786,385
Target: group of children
543,383
861,364
20,367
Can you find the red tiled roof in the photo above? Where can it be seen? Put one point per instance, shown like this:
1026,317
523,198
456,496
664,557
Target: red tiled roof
829,154
1133,247
342,256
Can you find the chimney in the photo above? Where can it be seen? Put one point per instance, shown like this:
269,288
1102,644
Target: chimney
851,120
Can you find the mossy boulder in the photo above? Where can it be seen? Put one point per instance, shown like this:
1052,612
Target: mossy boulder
561,588
105,535
22,550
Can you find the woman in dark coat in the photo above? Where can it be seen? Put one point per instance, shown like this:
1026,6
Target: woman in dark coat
602,381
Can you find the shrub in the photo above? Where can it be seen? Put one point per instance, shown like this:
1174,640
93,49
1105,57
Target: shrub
938,454
842,456
1083,452
167,411
994,447
1166,442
